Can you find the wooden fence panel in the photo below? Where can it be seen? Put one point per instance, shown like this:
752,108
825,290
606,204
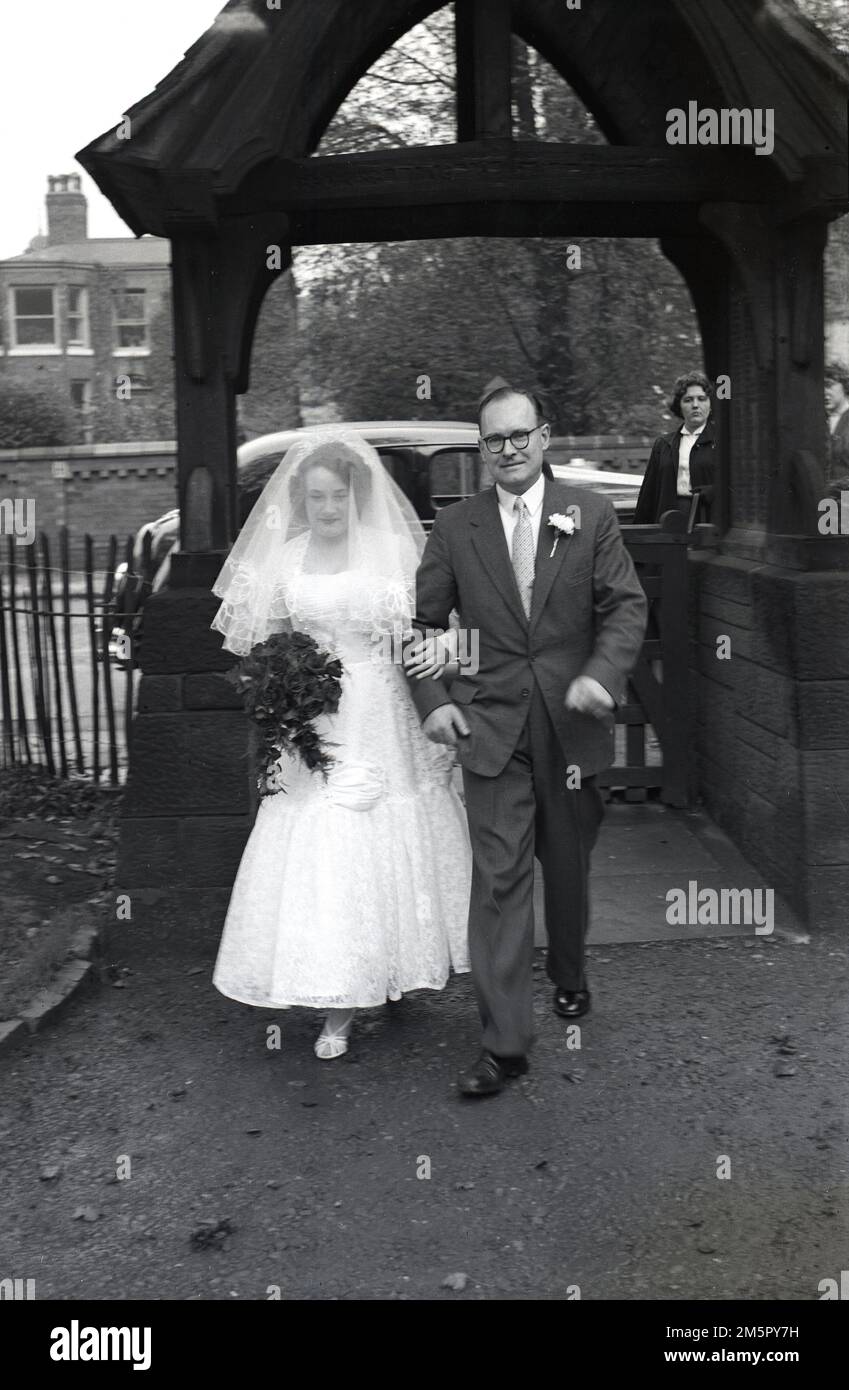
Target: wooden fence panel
70,677
59,711
656,715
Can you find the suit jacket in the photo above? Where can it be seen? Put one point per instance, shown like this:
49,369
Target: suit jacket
659,492
588,617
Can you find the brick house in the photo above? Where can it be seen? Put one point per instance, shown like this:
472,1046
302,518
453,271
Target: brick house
90,317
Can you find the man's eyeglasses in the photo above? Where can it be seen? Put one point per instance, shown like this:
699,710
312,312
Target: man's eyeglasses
520,439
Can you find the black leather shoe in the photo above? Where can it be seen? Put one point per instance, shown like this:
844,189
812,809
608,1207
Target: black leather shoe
488,1075
571,1003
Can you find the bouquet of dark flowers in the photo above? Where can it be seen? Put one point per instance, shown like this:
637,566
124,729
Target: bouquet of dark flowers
287,683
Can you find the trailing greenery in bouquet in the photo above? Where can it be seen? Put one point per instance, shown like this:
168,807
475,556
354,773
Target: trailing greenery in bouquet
286,683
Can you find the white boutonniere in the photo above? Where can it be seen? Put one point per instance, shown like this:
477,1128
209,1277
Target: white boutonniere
563,526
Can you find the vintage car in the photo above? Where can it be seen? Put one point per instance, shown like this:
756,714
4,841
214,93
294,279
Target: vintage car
434,464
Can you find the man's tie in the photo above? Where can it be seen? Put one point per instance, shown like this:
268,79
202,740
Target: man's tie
523,554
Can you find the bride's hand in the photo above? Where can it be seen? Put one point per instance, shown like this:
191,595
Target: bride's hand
429,657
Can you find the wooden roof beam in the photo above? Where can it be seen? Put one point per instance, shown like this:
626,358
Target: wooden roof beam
567,221
483,30
498,171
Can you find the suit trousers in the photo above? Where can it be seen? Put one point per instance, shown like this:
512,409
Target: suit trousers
527,811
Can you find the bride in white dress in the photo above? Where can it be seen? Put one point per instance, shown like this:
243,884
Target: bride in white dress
354,888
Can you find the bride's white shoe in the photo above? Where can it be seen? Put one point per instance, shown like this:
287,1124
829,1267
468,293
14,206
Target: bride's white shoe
332,1041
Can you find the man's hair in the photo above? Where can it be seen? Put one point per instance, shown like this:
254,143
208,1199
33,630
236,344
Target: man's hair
682,386
839,372
500,393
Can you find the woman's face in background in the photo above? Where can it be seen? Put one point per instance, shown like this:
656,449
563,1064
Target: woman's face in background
695,407
326,503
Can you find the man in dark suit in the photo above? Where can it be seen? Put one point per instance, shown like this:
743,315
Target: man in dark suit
552,595
682,464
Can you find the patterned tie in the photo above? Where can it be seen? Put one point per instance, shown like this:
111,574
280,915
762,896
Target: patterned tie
523,554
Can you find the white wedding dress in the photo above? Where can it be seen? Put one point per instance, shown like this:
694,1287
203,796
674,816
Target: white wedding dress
353,890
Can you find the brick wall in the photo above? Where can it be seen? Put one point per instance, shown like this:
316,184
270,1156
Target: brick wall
111,489
771,726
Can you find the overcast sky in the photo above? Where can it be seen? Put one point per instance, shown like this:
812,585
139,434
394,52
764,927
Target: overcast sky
70,70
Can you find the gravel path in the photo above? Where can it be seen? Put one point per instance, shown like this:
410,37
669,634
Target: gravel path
254,1169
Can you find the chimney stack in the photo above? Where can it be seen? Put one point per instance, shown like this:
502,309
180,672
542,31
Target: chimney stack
67,210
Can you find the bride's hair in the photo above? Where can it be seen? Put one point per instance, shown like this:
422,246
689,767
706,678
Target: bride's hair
259,584
342,461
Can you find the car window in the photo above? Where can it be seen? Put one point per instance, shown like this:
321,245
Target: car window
400,465
395,464
456,473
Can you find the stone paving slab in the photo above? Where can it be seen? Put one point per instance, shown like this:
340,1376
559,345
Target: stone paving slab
643,851
649,839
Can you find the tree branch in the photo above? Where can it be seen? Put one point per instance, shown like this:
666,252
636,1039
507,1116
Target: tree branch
438,76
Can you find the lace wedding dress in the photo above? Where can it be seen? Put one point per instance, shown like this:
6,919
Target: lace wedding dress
353,890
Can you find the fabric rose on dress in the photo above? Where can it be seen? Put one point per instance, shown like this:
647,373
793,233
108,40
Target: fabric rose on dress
356,786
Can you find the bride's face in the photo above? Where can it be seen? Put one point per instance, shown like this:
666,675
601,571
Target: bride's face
326,501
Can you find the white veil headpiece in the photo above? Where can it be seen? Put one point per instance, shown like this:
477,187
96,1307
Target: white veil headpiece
258,584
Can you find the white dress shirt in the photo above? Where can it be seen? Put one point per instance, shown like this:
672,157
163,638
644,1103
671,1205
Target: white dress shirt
533,500
685,448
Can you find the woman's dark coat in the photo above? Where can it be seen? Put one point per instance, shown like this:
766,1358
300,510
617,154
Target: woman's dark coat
659,492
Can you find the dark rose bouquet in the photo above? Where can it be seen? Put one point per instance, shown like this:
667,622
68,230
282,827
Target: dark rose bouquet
286,683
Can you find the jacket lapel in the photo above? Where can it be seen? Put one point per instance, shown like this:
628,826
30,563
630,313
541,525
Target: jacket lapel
707,438
548,565
490,543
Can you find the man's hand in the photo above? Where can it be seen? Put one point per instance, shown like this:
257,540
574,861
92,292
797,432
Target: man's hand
428,657
445,724
586,696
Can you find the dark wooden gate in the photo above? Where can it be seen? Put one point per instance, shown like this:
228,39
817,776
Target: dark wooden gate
655,752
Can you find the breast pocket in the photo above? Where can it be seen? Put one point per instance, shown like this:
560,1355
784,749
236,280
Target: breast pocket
582,576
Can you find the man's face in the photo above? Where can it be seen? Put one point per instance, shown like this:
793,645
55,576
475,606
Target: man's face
835,396
695,407
515,469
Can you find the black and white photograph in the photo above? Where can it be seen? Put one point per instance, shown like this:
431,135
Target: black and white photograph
424,670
